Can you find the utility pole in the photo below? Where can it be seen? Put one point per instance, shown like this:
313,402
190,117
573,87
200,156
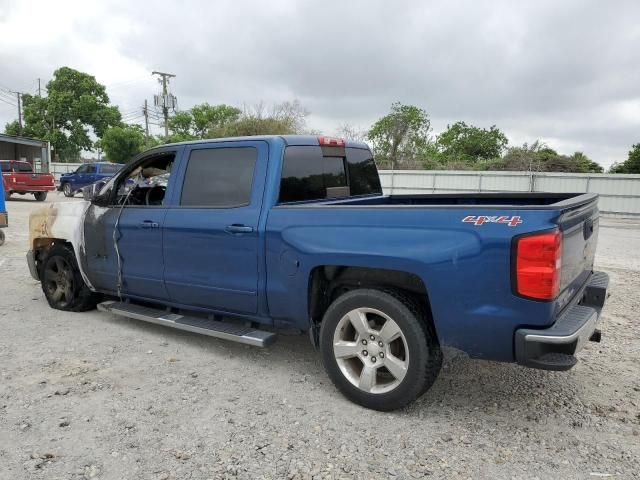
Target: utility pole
146,121
39,91
19,95
167,100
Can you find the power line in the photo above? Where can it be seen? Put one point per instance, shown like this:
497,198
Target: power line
10,102
7,94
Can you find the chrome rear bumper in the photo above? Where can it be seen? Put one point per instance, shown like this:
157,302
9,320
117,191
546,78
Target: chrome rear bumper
554,348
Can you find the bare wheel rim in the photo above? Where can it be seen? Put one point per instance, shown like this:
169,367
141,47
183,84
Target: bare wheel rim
59,281
371,350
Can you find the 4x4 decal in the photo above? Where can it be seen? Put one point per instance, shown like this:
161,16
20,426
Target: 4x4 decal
482,219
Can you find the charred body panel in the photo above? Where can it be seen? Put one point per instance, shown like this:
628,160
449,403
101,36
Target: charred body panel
58,222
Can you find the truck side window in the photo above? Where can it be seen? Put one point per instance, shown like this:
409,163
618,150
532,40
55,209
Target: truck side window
109,169
363,174
142,185
308,175
219,177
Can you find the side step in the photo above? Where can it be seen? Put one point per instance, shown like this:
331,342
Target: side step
213,328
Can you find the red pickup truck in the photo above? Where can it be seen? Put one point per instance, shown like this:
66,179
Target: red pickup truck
19,177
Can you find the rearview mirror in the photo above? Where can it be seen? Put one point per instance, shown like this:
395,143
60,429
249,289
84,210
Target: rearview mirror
91,191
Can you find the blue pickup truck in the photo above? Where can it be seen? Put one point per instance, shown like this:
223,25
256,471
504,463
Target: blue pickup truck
238,238
72,183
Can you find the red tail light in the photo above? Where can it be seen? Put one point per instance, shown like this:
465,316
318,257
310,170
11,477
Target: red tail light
538,262
331,142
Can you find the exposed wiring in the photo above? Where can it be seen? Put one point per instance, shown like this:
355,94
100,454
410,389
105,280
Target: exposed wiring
116,238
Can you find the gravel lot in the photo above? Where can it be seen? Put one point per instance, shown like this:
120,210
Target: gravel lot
92,395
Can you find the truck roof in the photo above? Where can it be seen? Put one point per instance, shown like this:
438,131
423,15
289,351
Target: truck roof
288,140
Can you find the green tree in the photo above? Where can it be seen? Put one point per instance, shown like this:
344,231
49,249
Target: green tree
13,128
539,157
631,164
283,119
401,135
254,125
469,143
180,124
122,143
75,109
585,164
198,121
206,117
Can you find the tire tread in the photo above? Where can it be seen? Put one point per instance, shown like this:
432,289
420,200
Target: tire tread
85,298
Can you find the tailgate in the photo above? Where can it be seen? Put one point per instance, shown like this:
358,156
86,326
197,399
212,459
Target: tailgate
26,180
579,227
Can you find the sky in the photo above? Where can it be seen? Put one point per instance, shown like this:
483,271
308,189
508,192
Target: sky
564,72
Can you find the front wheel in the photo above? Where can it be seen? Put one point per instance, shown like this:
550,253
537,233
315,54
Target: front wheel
379,348
1,238
7,195
67,190
40,196
62,282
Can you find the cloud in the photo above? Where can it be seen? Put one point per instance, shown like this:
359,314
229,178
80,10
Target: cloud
565,72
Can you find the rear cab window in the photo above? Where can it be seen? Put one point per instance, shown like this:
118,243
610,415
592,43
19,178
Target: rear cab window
22,167
317,173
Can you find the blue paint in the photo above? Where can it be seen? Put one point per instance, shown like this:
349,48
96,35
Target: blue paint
3,207
80,179
263,274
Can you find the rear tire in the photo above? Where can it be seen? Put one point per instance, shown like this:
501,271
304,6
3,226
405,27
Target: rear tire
7,195
40,196
62,282
1,238
379,348
66,189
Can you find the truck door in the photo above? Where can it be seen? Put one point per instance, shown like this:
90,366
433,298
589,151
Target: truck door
211,234
91,176
80,178
130,210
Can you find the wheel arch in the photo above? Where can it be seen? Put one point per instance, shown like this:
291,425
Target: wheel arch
59,222
328,282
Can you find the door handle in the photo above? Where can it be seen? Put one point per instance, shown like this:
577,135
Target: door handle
149,224
236,228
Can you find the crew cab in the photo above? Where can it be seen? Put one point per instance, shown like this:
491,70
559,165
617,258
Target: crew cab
238,238
19,177
71,183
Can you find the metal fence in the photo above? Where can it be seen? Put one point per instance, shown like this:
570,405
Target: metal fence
619,194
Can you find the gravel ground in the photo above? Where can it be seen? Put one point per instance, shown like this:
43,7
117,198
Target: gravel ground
92,395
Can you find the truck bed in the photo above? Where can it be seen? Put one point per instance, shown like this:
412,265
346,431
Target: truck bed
454,243
507,199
